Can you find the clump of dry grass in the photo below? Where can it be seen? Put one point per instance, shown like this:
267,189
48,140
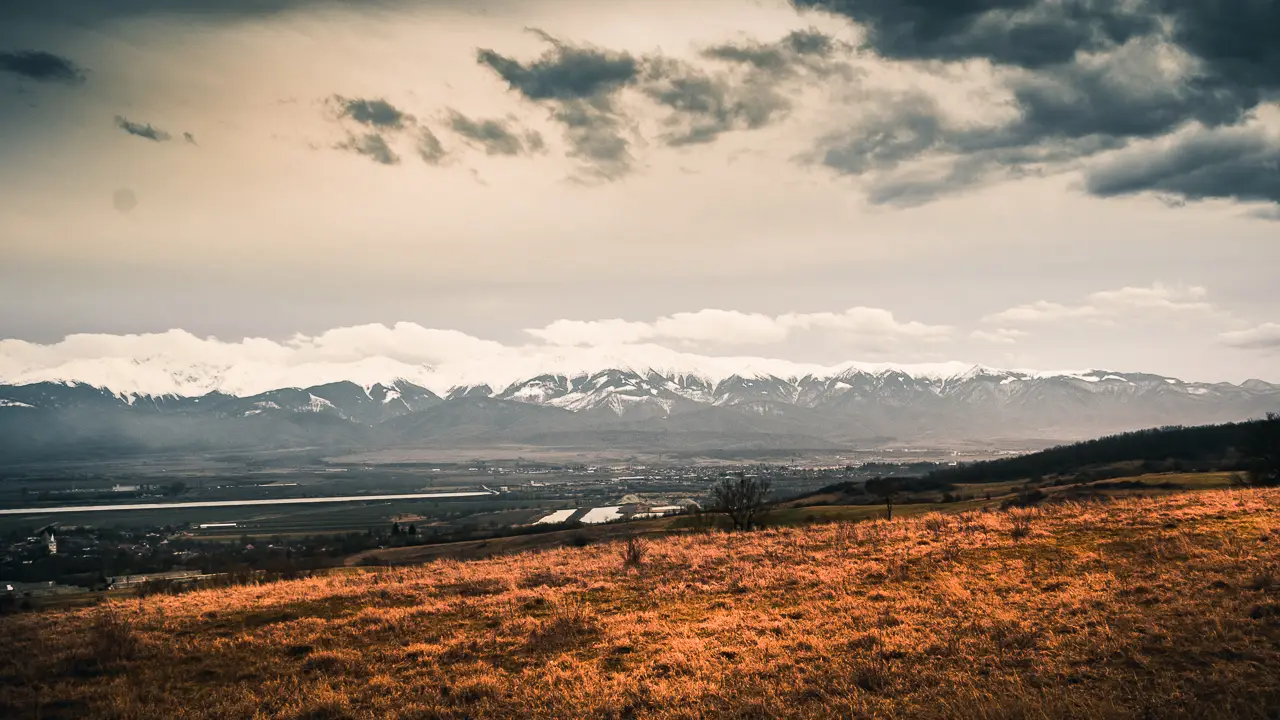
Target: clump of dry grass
1161,607
570,623
111,636
1020,524
633,552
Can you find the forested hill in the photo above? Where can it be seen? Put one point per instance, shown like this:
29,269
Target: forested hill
1247,446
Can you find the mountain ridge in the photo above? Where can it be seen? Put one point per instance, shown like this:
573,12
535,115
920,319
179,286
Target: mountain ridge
158,375
812,411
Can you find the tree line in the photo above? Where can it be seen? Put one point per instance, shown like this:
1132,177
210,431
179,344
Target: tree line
1251,447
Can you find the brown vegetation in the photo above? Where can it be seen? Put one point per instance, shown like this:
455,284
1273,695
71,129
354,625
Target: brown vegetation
1144,607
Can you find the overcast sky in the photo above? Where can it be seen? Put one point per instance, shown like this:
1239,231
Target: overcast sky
1019,183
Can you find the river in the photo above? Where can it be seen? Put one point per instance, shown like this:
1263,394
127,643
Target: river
237,503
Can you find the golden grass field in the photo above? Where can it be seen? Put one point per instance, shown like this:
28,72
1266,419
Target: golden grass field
1152,607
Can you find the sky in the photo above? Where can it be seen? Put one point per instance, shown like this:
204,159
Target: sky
1018,183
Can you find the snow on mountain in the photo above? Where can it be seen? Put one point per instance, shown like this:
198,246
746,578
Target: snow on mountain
369,375
691,376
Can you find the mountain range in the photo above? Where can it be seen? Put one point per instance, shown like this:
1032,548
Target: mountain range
623,408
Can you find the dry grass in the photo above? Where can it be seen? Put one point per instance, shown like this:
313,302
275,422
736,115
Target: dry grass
633,551
1157,607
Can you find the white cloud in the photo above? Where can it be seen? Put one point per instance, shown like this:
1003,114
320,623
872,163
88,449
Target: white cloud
1041,311
860,326
1109,306
1157,297
593,332
1262,337
869,323
1000,336
722,327
178,362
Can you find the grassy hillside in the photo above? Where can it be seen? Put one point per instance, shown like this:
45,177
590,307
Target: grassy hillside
1141,607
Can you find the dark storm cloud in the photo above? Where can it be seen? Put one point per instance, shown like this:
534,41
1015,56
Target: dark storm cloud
564,72
906,128
1069,105
41,66
1233,163
579,85
372,146
1026,33
430,148
595,137
495,137
96,12
1236,38
142,130
375,113
704,106
800,50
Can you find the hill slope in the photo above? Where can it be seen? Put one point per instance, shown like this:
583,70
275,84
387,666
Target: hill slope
1142,607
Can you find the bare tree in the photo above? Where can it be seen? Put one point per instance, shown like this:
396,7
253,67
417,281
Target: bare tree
741,497
887,489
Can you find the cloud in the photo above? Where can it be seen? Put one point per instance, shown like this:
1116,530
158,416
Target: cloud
1063,114
142,130
495,137
870,328
1109,306
579,85
596,137
799,51
191,139
999,336
1262,337
1235,38
372,146
430,149
1267,213
1238,163
1043,311
594,332
704,103
92,14
375,113
178,362
1085,77
41,66
703,106
1025,33
564,72
582,86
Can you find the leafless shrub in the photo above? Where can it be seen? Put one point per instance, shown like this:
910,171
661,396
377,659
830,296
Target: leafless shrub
112,637
741,497
569,623
936,525
633,552
950,553
1021,526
